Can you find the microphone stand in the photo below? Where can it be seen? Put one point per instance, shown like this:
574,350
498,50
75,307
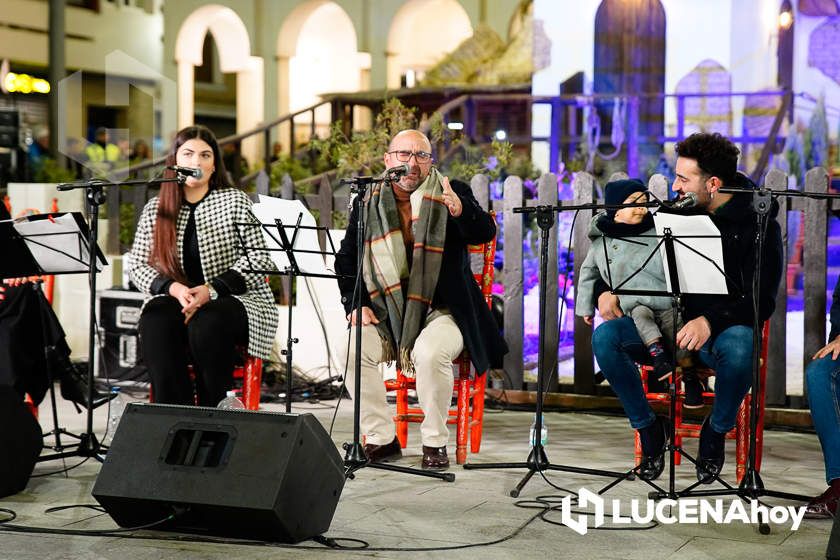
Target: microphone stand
355,458
537,460
88,445
752,486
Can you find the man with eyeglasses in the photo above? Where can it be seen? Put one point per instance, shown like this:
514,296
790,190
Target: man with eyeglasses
420,305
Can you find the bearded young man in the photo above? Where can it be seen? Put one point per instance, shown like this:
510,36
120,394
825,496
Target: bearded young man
718,327
420,305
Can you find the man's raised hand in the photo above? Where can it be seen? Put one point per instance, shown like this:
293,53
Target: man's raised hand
452,201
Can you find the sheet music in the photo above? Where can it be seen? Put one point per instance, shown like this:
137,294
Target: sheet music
336,235
695,273
56,245
267,210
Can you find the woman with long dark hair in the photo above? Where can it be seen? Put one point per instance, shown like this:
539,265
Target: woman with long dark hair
186,255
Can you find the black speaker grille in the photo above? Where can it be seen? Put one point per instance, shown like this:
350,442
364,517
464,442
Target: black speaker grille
235,472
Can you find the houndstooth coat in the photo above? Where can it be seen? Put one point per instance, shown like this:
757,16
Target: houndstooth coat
220,251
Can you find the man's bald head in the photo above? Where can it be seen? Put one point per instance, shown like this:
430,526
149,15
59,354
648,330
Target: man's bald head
410,147
414,134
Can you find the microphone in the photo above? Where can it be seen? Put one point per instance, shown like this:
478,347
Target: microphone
688,201
392,173
397,171
188,171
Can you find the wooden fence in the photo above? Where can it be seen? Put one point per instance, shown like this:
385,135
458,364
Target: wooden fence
328,204
812,261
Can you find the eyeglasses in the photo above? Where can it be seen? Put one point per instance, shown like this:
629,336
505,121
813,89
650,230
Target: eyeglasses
404,156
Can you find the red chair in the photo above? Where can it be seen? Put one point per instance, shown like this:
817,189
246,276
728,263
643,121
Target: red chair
741,432
468,415
250,372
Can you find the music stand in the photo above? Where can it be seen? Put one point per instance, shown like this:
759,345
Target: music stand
297,256
52,244
676,277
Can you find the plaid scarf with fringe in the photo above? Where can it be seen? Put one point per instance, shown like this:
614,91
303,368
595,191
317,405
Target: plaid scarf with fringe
385,269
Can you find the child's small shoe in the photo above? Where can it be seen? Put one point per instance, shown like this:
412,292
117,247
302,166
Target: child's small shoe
662,367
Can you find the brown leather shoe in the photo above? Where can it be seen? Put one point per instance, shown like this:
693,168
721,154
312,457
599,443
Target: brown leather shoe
824,506
435,459
383,453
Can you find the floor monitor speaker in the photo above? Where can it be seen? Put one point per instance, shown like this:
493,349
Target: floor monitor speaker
261,475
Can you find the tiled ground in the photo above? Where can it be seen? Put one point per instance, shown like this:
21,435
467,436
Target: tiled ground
392,510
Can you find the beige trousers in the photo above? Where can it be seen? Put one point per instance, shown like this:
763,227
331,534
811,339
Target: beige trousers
439,343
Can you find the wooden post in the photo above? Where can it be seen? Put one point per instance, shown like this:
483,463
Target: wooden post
814,258
618,176
658,185
480,185
263,183
584,370
776,384
325,204
514,324
287,187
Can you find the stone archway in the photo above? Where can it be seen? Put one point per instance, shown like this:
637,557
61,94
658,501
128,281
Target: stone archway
234,47
317,34
416,40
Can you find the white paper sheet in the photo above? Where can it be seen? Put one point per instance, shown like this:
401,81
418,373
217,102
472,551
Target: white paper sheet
56,245
695,273
267,210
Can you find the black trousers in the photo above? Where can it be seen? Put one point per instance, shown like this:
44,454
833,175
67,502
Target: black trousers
208,342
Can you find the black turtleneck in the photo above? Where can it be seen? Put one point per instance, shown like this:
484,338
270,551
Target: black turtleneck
192,257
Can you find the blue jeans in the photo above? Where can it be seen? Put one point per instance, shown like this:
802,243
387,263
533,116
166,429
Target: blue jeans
618,348
823,379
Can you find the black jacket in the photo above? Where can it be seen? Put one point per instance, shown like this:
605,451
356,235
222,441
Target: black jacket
736,221
27,325
456,288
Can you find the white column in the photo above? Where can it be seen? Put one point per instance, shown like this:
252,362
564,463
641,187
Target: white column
283,95
249,106
394,71
186,94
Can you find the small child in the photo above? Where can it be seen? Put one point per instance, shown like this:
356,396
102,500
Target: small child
625,253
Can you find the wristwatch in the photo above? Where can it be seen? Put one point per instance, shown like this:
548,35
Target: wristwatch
214,295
